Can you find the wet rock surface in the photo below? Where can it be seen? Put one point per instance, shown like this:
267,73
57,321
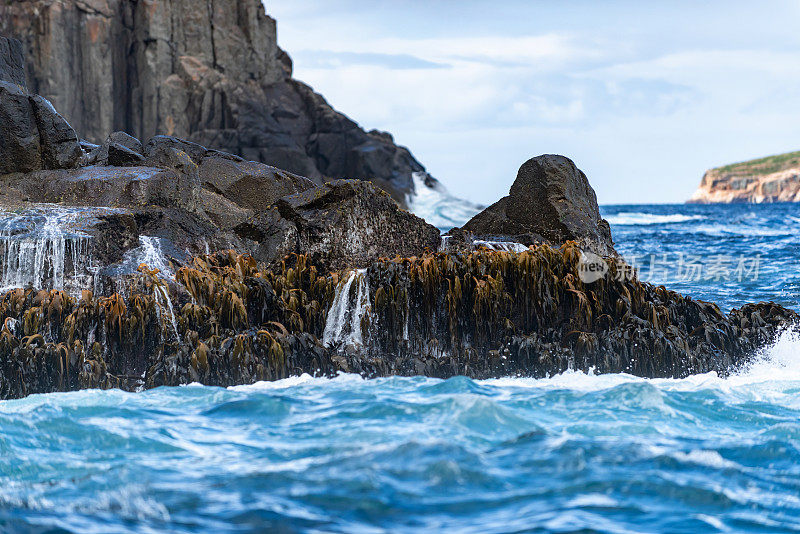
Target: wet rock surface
345,223
33,135
130,264
550,201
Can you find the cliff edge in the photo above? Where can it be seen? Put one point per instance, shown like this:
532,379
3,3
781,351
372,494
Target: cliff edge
210,72
769,179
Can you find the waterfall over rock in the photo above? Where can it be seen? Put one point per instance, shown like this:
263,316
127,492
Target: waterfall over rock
46,248
343,324
150,259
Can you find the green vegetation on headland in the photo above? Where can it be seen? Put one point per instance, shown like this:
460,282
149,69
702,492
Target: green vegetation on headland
763,166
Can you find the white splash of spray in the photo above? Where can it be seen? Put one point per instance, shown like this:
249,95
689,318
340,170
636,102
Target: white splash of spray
505,246
433,202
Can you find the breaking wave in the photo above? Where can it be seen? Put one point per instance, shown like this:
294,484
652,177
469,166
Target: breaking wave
574,452
635,218
434,203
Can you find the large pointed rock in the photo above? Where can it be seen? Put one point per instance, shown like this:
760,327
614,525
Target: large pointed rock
551,202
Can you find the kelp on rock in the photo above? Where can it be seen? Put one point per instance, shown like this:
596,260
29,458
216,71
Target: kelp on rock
224,320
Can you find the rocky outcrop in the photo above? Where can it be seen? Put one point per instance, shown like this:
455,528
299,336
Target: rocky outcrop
210,72
195,198
345,223
33,135
550,201
770,179
165,263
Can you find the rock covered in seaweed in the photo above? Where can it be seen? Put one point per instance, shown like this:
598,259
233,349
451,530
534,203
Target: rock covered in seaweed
483,314
223,319
550,201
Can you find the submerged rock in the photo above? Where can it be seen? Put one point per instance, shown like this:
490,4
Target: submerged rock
552,202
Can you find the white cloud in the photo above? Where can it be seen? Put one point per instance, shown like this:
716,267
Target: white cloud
643,104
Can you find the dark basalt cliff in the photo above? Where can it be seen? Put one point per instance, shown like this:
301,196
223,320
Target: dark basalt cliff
209,72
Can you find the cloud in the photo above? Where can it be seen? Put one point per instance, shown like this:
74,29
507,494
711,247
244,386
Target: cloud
620,88
327,59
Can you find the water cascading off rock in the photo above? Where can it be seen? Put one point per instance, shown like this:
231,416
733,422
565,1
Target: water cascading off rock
343,325
46,248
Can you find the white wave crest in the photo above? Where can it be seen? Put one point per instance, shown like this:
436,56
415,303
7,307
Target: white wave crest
639,218
779,361
436,205
774,371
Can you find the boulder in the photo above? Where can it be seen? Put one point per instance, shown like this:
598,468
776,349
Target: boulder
33,135
20,147
249,184
60,146
118,150
121,156
159,145
127,141
124,187
232,189
342,224
550,202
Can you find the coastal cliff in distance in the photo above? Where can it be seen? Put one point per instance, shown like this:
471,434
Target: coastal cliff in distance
210,72
769,179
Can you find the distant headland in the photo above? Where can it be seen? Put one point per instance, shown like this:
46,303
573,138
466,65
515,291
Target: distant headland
770,179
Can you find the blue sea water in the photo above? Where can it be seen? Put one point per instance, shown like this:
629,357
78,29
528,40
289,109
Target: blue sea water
715,236
571,453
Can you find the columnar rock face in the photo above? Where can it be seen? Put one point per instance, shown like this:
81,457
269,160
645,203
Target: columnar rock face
770,179
12,62
552,202
208,71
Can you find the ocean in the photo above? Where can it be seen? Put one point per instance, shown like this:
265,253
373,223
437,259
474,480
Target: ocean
574,452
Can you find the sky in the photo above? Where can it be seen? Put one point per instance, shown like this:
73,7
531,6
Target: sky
643,96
